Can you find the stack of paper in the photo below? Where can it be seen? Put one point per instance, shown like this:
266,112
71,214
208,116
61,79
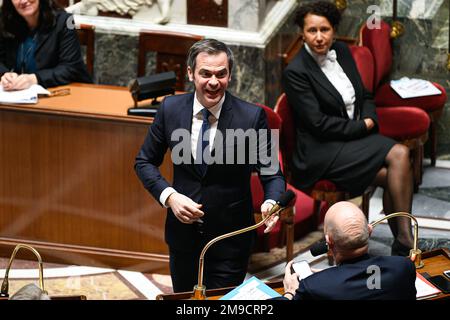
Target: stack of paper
411,88
28,96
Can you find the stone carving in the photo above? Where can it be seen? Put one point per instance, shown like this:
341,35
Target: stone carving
121,7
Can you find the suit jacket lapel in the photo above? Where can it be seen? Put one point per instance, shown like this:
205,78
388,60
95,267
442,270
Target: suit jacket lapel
186,122
226,115
350,70
320,77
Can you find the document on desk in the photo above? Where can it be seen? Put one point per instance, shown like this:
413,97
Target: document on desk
251,289
412,88
27,96
424,288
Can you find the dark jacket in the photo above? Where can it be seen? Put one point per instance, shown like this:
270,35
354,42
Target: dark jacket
224,190
321,120
355,280
58,54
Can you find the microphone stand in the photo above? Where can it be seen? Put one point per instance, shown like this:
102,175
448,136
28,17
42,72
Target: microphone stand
199,289
5,284
415,252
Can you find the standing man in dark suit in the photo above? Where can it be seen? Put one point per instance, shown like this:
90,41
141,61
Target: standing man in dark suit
357,275
211,135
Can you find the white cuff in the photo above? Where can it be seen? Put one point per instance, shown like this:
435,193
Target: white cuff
272,202
165,194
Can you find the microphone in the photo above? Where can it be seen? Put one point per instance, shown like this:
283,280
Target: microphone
29,291
319,248
199,289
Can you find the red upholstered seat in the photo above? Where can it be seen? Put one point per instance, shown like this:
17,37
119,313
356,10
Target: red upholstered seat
386,96
325,185
324,192
378,41
367,71
408,125
303,221
403,123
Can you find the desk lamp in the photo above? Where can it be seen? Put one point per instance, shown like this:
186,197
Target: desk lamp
415,252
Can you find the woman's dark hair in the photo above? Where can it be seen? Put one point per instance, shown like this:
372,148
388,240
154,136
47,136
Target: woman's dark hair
319,8
12,23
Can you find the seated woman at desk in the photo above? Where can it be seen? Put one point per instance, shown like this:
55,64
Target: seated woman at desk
336,123
38,46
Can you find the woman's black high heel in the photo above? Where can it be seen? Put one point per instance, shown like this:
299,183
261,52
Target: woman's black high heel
399,249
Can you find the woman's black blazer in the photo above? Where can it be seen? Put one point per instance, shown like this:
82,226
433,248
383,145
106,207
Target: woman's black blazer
58,54
322,123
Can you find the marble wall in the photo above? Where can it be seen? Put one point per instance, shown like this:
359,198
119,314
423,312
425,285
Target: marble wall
247,14
421,52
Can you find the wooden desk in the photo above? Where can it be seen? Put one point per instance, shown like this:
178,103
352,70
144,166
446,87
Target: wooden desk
436,261
68,186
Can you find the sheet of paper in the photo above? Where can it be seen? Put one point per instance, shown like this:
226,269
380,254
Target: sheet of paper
27,96
412,88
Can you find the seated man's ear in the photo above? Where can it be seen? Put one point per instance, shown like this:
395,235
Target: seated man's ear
370,228
329,241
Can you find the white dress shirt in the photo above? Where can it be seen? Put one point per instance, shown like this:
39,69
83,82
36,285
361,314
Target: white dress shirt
197,121
333,71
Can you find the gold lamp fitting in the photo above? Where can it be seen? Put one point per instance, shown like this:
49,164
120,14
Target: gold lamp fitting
199,292
415,253
397,29
341,4
448,61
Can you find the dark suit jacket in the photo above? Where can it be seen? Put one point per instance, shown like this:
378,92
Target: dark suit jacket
322,123
348,281
58,55
224,190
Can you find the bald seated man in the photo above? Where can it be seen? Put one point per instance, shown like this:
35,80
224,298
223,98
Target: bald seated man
357,275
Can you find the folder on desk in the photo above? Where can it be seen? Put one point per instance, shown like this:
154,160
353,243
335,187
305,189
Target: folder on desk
251,289
27,96
424,288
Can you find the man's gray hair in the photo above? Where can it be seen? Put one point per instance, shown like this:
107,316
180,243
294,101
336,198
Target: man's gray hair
210,46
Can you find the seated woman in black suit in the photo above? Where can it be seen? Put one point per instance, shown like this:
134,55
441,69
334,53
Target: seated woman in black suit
336,123
38,45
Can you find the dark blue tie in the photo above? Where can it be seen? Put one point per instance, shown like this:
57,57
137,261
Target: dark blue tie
203,143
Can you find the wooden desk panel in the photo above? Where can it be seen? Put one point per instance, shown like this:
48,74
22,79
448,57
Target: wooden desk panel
68,186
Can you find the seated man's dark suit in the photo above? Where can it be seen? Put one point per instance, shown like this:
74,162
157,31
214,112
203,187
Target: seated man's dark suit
224,190
349,280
